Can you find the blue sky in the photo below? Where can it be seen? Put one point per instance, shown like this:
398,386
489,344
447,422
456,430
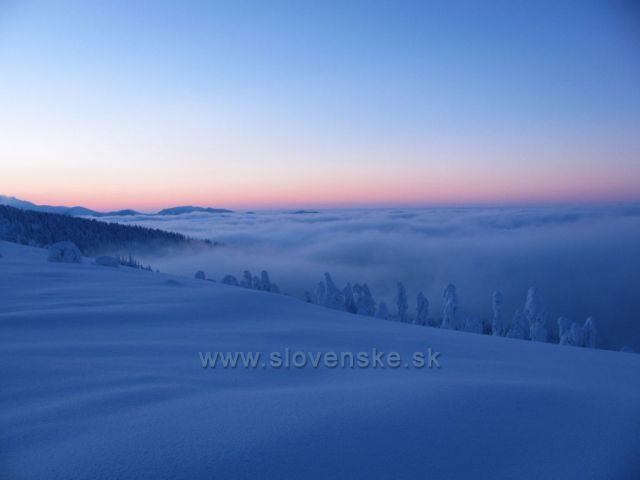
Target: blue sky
313,103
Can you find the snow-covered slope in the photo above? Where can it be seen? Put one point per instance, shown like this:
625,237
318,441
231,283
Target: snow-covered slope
101,379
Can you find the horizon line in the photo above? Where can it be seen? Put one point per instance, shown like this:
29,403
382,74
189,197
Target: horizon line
531,203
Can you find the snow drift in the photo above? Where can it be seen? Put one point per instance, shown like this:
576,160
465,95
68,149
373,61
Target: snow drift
101,379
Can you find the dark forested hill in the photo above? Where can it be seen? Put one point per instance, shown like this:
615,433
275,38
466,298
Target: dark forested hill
93,237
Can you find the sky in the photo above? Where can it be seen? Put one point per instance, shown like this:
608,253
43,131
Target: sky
319,104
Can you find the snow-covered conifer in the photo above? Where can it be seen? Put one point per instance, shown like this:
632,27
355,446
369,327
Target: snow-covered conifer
365,304
247,279
498,326
333,297
564,331
349,301
200,275
536,315
422,310
577,335
265,282
590,333
402,304
539,332
519,327
450,308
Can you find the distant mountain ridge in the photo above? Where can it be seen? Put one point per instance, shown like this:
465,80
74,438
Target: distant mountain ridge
191,209
79,211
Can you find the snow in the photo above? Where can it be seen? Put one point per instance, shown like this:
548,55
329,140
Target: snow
101,379
107,261
66,252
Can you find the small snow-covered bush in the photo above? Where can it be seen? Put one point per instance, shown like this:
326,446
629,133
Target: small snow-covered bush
107,261
200,275
473,324
230,280
65,252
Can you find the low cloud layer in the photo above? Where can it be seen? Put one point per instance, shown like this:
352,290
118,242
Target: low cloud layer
585,261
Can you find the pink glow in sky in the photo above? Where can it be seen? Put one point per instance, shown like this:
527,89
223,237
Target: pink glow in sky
210,104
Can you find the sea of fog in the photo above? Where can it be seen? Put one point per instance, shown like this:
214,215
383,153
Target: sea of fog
584,260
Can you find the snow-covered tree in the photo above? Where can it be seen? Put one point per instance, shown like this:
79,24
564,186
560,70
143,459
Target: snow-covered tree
536,315
498,326
333,298
590,333
365,304
383,311
349,301
230,280
65,252
91,237
539,332
247,279
131,262
200,275
450,308
572,333
265,282
519,327
577,335
564,331
402,304
422,310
